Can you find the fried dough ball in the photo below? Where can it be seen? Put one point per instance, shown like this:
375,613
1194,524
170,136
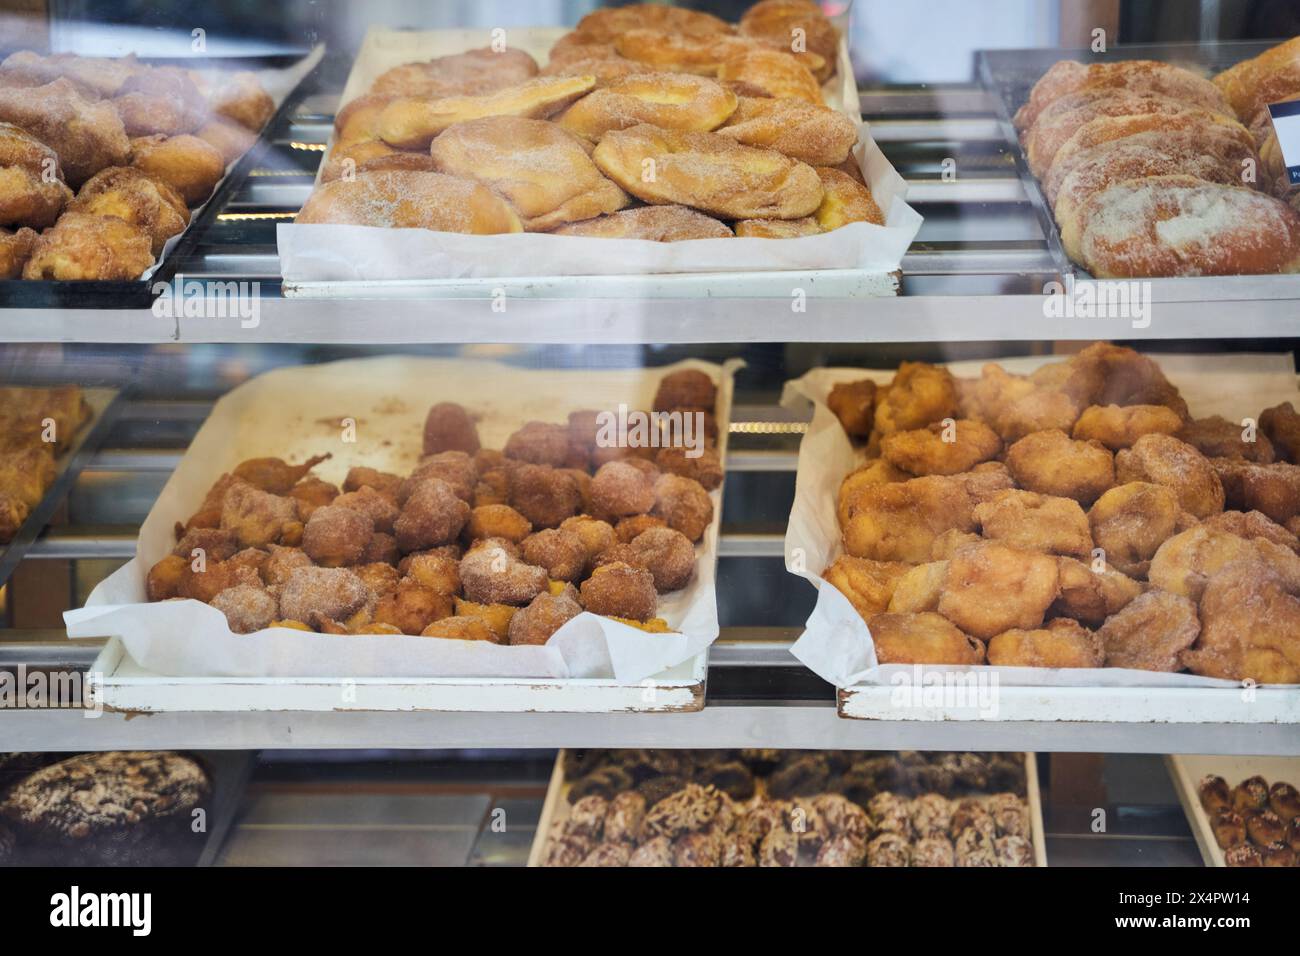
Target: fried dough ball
941,448
869,585
230,140
705,467
382,548
1251,525
1186,562
239,96
247,608
282,563
878,472
899,521
456,468
380,509
629,528
87,135
991,588
667,554
463,629
919,589
1062,643
32,190
82,246
1250,627
544,495
334,593
411,608
596,535
336,536
920,394
498,521
259,518
945,545
1216,437
1117,426
620,489
161,100
620,590
189,165
1131,521
683,504
925,638
1016,405
1051,463
854,404
203,582
312,493
383,482
1272,489
166,578
382,579
15,249
1281,425
1122,376
540,443
496,617
543,616
436,570
1034,522
449,427
1091,596
561,553
688,388
213,544
491,575
1151,632
1164,460
433,515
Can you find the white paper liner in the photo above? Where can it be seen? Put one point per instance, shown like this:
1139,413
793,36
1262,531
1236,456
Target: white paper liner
294,413
836,643
338,253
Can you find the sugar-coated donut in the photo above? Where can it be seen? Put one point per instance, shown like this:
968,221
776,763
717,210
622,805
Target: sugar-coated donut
816,135
654,223
666,100
406,199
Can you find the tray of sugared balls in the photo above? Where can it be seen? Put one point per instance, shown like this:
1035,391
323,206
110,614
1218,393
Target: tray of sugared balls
474,544
644,122
773,808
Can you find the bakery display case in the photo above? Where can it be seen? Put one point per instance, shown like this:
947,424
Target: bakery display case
985,503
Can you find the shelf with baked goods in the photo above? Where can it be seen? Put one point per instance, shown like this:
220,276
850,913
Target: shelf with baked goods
976,272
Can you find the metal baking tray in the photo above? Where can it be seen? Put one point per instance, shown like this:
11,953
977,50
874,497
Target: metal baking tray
139,293
104,405
1187,772
1009,75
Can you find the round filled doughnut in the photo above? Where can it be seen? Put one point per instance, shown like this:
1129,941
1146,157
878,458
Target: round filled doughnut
816,135
539,168
1138,76
406,199
83,246
652,223
136,198
471,73
666,100
708,172
32,191
779,75
188,164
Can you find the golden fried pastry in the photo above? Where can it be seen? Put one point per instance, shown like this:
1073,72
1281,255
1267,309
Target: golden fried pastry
945,545
948,447
1164,460
899,521
1034,522
869,585
136,198
1250,627
1216,437
925,638
472,73
357,120
240,97
708,172
679,53
94,76
1091,596
1131,521
86,135
877,472
1016,405
620,590
1253,525
854,404
347,159
1281,425
607,23
24,475
538,167
1105,374
15,250
1120,426
1272,489
777,74
401,199
1051,463
812,134
412,123
1062,643
1252,84
846,201
32,190
1182,226
463,629
1151,632
576,47
228,138
794,25
991,588
606,66
666,100
650,223
162,100
919,589
187,164
920,394
1186,562
778,228
81,246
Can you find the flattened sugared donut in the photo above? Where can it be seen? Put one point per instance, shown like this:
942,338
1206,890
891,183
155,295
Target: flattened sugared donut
606,69
709,172
473,72
675,53
405,199
778,228
666,100
1140,76
776,22
412,123
1268,78
816,135
346,158
654,223
778,74
604,25
542,170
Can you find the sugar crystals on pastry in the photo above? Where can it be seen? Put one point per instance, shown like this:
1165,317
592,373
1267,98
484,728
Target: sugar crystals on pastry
652,223
32,190
403,199
85,246
151,206
666,100
817,135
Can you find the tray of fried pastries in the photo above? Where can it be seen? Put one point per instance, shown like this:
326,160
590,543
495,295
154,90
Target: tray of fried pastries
791,808
711,150
112,163
47,435
1158,162
1243,811
410,533
1113,532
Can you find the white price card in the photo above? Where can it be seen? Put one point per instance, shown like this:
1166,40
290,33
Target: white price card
1286,121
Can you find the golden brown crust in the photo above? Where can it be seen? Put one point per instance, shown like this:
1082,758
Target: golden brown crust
32,191
817,135
241,98
1141,76
606,24
81,246
131,195
666,100
925,638
86,135
163,100
778,228
846,200
189,165
1252,84
653,223
793,25
779,74
471,73
1062,643
402,199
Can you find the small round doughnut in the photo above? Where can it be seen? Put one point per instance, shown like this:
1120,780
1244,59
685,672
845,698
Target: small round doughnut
816,135
136,198
778,74
83,246
402,199
666,100
653,223
186,163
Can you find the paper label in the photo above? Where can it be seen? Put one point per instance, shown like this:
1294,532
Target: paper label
1286,123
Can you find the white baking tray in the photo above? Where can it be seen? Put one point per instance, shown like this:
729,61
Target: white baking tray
357,262
556,808
1188,771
